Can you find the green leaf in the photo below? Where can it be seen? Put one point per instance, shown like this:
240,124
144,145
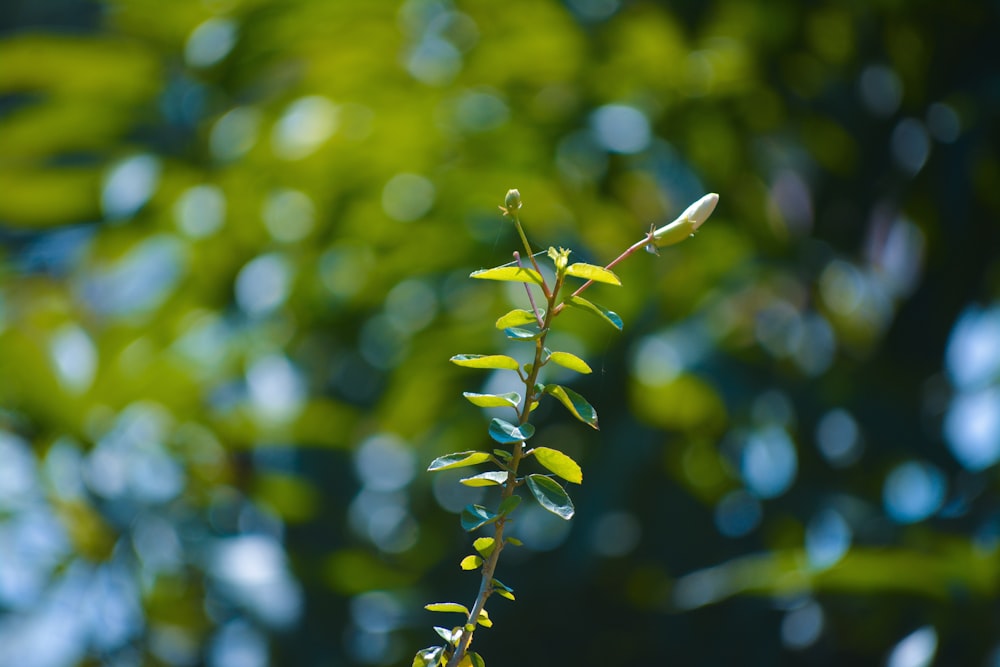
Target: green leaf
559,463
506,433
516,317
428,657
516,542
503,590
602,312
570,361
475,660
447,607
523,333
511,400
474,516
551,496
484,545
514,273
458,460
503,455
445,634
501,361
471,562
497,478
508,505
575,403
484,619
591,272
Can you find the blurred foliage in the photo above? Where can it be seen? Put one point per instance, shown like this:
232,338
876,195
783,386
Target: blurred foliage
235,240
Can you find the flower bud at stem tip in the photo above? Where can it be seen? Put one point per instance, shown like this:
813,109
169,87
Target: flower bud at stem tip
513,199
687,223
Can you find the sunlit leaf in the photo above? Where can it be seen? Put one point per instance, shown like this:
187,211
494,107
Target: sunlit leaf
515,318
447,607
445,634
484,545
516,542
570,361
471,659
474,516
428,657
493,478
506,433
503,590
499,361
591,272
458,460
484,619
530,332
575,403
559,463
551,496
513,273
591,307
511,400
471,562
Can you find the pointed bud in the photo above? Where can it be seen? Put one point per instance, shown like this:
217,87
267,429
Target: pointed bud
687,223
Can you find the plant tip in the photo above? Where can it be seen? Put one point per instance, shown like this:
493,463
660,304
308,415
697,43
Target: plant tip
686,224
512,200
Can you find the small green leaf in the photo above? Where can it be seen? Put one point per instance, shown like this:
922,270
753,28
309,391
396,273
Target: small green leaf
471,562
506,433
559,463
474,516
445,633
575,403
591,272
475,660
530,332
497,478
508,505
551,496
516,317
503,455
501,361
570,361
516,542
514,273
511,400
447,607
458,460
484,545
591,307
503,590
484,619
428,657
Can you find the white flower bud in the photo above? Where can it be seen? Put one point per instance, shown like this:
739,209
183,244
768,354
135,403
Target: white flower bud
687,223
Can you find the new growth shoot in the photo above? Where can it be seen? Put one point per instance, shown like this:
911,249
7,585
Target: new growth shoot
528,326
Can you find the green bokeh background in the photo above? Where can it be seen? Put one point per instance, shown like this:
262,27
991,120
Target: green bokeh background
235,239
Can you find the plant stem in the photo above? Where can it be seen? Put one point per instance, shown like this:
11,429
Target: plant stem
531,255
629,251
490,565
